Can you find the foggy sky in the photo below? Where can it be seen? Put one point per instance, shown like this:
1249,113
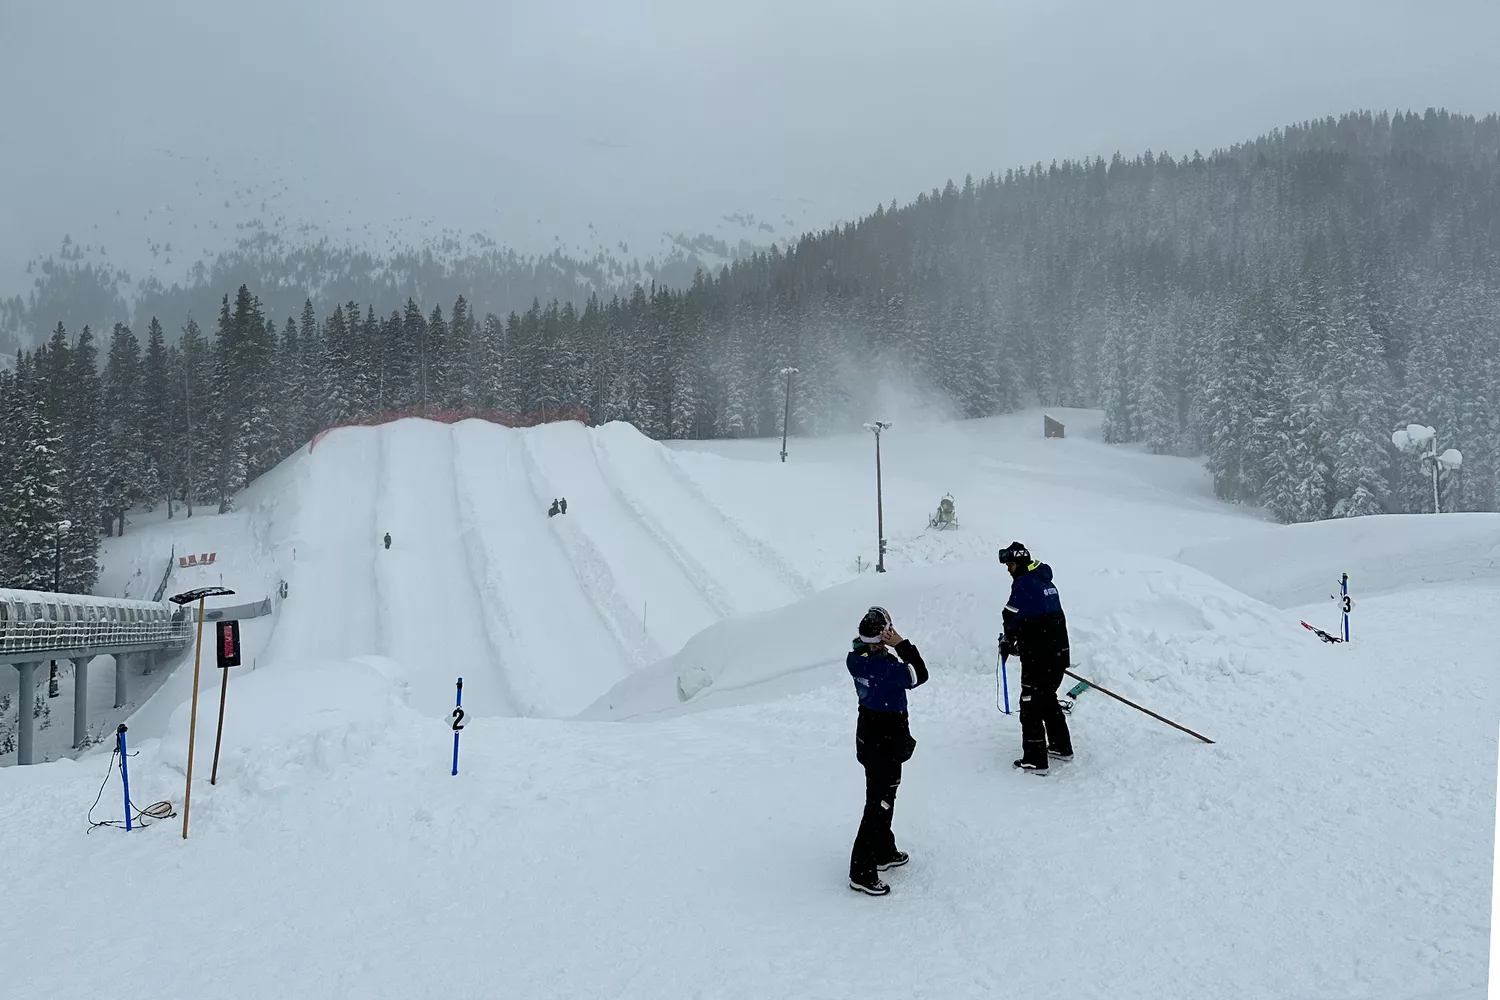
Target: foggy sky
650,115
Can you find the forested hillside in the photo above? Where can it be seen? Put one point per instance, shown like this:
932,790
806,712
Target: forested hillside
1278,307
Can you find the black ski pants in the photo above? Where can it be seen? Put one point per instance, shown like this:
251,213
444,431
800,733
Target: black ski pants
875,844
1043,724
882,744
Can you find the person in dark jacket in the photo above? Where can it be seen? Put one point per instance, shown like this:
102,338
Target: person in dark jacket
882,741
387,539
1036,630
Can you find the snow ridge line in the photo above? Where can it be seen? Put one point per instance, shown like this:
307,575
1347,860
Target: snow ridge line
767,556
641,649
696,575
471,547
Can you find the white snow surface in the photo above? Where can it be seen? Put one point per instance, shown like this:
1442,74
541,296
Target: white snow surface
657,788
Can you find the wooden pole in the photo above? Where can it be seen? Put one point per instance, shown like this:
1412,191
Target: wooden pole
187,793
1138,708
213,778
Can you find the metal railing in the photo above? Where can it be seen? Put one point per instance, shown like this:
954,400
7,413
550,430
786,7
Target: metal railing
49,636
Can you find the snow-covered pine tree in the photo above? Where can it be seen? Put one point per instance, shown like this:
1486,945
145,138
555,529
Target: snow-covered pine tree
462,359
129,475
1358,386
31,497
436,348
85,457
156,417
486,388
193,416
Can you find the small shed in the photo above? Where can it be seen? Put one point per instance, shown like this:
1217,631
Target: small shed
1051,428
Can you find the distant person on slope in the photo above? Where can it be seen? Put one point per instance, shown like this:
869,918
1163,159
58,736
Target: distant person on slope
562,505
1037,631
387,539
882,741
552,511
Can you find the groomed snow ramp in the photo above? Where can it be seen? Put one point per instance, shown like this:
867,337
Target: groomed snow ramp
540,615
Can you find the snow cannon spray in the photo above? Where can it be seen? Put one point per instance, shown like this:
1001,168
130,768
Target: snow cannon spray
124,770
458,722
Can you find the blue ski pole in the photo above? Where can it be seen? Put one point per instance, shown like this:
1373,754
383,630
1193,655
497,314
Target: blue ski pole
1004,682
458,722
124,771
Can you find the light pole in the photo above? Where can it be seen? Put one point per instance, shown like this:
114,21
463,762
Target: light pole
57,532
786,416
1415,439
876,428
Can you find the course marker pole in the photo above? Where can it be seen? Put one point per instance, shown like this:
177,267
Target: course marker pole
458,722
124,771
1347,604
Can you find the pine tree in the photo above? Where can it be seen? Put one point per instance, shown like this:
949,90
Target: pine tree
231,413
85,459
31,498
129,475
156,417
195,435
1360,387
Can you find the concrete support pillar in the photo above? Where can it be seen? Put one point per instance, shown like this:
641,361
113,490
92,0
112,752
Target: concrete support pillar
81,701
25,741
122,661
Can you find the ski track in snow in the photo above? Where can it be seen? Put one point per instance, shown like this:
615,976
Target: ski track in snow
748,576
644,570
594,574
526,576
430,599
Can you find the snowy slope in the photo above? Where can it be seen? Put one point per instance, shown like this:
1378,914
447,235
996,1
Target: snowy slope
1382,555
687,836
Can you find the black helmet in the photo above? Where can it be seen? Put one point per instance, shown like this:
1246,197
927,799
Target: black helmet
874,623
1015,552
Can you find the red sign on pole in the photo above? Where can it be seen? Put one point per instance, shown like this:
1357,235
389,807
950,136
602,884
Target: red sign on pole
229,644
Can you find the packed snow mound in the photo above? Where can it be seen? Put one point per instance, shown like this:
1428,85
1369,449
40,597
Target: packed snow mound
690,578
1151,622
539,614
286,719
1299,564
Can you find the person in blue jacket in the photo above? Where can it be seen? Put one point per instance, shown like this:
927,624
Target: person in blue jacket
1036,630
882,741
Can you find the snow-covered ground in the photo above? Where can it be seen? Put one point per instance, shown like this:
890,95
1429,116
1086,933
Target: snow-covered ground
658,791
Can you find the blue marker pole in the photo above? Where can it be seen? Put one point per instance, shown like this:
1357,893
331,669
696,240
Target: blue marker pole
124,770
1005,682
1344,592
458,722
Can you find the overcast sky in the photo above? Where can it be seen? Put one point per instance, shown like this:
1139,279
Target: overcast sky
650,115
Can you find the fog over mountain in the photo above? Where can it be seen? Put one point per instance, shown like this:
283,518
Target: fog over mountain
156,133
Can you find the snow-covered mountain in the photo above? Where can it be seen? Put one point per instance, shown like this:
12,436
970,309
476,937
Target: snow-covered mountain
155,134
657,785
